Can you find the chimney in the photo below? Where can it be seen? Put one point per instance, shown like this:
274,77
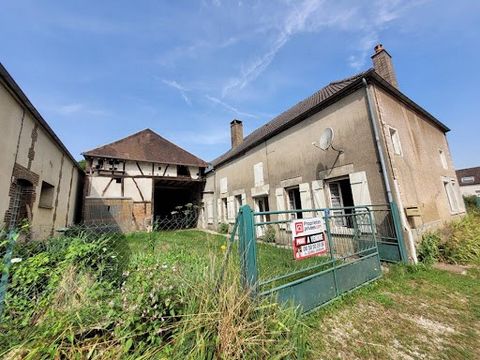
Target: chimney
382,63
236,132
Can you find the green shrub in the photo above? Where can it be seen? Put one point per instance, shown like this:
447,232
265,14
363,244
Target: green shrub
223,228
471,203
270,234
427,251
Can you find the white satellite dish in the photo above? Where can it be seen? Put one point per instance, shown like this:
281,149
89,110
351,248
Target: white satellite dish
326,139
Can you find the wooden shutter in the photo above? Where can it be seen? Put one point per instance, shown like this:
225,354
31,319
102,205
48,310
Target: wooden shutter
305,198
360,192
318,189
219,211
210,211
231,209
279,194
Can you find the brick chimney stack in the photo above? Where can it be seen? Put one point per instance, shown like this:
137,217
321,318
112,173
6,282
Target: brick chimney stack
236,132
382,63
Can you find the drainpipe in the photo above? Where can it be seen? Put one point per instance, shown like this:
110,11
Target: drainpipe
373,120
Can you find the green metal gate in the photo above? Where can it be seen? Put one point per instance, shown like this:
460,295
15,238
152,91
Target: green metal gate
312,274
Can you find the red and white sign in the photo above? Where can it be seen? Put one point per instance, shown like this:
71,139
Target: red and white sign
309,238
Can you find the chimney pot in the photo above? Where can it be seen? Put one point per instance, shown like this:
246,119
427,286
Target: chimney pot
382,63
236,132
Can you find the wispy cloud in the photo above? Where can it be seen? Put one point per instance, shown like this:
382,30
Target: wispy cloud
78,108
204,137
182,89
295,22
229,107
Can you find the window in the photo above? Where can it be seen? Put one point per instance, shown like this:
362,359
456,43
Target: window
223,185
341,196
118,180
238,202
443,159
46,195
468,179
397,147
451,195
183,170
258,174
294,202
224,209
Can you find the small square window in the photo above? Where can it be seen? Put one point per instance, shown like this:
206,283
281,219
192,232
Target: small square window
397,146
47,193
118,180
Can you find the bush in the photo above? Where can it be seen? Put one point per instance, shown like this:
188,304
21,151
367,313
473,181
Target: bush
471,203
223,228
458,242
270,234
428,252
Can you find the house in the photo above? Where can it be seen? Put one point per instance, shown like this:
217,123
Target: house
139,179
41,180
469,181
385,148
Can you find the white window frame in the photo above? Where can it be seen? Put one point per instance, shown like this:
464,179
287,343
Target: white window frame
342,220
395,139
443,158
224,210
258,174
238,202
451,194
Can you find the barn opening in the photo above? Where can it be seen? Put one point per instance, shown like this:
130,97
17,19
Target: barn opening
175,203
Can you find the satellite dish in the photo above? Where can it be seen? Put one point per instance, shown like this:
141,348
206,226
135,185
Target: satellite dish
326,139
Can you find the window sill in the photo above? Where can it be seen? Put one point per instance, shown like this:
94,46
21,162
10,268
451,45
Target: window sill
45,207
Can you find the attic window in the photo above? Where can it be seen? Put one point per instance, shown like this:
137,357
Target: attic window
468,179
183,170
443,159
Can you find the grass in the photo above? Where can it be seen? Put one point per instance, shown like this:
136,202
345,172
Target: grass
167,306
411,313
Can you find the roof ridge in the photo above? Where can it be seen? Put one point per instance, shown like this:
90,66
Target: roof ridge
310,98
117,141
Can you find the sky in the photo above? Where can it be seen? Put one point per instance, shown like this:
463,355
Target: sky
101,70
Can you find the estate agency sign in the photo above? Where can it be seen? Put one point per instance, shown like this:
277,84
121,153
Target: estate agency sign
309,237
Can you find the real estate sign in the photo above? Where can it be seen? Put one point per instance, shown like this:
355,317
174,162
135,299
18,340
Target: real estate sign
309,237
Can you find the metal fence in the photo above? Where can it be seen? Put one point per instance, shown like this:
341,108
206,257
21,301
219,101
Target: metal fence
340,255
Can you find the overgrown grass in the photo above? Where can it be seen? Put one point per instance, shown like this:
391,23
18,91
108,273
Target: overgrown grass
157,298
458,242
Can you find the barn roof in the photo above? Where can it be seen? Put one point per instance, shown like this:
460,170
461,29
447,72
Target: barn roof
148,146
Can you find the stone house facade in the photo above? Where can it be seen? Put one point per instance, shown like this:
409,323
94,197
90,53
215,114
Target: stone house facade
136,180
41,179
385,148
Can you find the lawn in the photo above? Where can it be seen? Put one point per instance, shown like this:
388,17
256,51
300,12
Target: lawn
168,277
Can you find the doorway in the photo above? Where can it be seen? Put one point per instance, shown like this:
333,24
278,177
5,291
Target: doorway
340,197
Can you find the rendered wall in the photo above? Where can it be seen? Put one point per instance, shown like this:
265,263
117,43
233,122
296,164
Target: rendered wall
418,171
290,159
27,146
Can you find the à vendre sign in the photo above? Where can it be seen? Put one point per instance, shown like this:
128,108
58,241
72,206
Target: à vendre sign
309,237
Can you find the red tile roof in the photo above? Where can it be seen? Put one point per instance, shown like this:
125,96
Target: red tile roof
148,146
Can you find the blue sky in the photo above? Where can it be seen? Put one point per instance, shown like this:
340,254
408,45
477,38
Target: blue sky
101,70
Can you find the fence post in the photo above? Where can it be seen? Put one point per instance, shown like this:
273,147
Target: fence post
248,249
398,232
7,262
330,247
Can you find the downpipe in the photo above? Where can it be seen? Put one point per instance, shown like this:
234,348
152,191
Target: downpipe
378,144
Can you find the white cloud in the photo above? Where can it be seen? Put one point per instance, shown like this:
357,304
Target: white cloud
183,90
229,107
78,108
